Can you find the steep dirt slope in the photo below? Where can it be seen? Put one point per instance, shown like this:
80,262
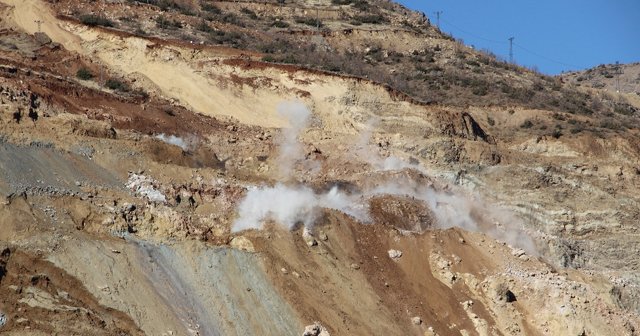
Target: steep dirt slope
40,299
136,197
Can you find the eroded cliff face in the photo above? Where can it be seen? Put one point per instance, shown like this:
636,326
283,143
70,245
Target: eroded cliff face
164,209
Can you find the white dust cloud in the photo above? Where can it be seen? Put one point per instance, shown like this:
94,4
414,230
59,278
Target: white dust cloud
290,148
175,140
291,205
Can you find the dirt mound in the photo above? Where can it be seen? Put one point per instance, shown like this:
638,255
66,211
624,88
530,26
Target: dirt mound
39,298
403,213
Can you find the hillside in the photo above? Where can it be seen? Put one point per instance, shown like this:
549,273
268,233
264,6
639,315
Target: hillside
623,78
378,40
229,167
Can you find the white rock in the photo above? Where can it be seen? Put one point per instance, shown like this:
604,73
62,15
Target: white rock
395,254
518,252
416,320
308,237
316,329
242,243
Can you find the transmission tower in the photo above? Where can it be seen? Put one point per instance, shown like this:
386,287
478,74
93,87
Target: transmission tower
511,49
39,23
438,18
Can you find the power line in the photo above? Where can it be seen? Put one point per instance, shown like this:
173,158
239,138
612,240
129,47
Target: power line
472,34
547,58
511,44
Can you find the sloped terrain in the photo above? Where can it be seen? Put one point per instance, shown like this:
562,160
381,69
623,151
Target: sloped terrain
624,78
185,188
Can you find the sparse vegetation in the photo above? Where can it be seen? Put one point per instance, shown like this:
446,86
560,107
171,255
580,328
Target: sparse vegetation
203,26
213,9
84,74
222,37
164,23
117,85
527,124
309,21
280,24
249,13
96,20
469,77
370,18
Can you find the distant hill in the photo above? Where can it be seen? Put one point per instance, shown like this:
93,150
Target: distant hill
623,78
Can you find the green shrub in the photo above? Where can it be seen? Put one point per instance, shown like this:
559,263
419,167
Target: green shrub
362,5
280,24
95,20
164,23
309,21
371,18
251,14
231,19
221,37
84,74
527,124
203,26
117,85
480,89
211,8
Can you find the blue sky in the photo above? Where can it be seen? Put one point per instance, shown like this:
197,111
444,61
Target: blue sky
550,35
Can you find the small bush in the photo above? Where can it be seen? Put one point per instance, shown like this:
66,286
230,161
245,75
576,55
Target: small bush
84,74
309,21
95,20
280,24
140,31
164,23
203,26
230,18
117,85
362,5
491,121
480,90
251,14
221,37
211,8
141,93
371,18
527,124
577,129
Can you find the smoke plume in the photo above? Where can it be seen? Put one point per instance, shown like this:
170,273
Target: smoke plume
290,205
175,140
290,148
